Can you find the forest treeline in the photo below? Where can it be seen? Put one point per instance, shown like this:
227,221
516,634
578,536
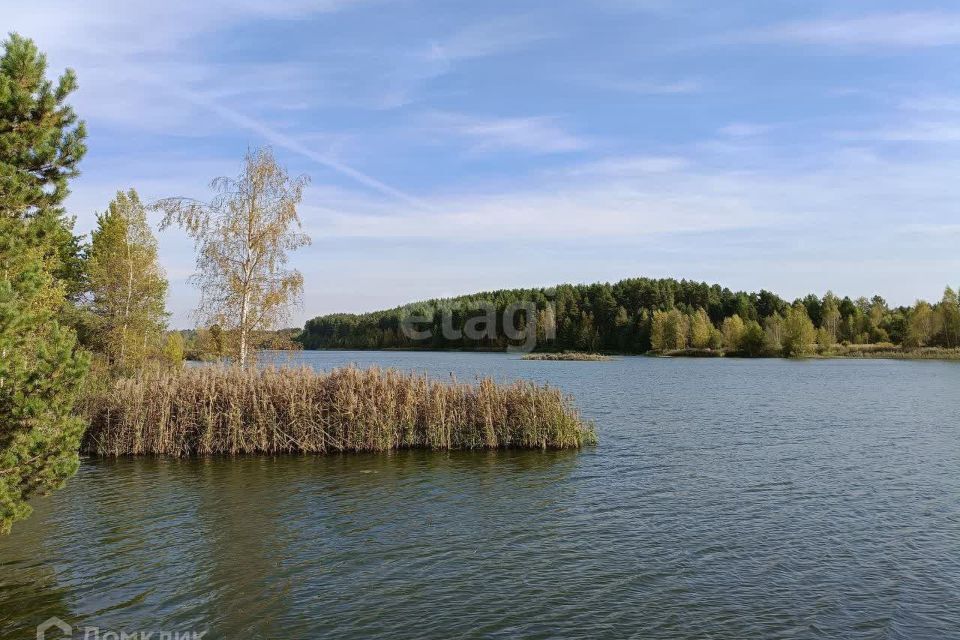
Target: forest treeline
641,315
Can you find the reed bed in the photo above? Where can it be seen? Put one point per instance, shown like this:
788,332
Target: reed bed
575,356
223,410
890,351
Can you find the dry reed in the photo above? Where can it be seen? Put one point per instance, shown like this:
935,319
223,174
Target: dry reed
213,410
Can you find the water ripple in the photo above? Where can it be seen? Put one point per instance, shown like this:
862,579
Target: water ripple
726,500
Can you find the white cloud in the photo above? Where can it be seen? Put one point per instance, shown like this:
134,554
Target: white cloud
410,69
918,131
908,29
928,119
588,211
745,129
113,45
622,200
629,166
487,39
645,87
538,135
935,230
932,103
110,28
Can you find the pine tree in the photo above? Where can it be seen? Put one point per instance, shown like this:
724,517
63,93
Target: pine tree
128,285
40,378
41,140
41,371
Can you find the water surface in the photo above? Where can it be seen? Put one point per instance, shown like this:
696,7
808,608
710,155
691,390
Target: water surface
727,499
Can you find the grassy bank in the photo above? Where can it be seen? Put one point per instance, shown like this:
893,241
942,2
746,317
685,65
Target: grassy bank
574,356
211,410
890,351
838,351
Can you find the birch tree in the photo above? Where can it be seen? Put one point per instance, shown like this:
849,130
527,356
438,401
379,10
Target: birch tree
242,238
830,316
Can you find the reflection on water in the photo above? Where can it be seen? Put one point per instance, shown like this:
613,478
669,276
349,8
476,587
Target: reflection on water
726,499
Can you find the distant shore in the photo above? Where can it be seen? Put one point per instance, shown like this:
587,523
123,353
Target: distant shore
840,352
571,356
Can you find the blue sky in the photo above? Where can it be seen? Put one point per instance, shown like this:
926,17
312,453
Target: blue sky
464,146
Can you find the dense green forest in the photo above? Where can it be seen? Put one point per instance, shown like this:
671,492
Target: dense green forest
639,315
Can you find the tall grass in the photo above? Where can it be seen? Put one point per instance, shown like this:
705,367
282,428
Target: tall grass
210,410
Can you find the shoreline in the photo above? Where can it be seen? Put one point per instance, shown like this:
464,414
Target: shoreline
886,354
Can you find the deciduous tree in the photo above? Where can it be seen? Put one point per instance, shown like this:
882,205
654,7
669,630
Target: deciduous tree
700,329
949,309
798,332
669,330
830,316
128,285
242,238
752,340
922,325
732,332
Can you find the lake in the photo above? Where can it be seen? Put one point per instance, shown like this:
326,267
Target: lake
727,499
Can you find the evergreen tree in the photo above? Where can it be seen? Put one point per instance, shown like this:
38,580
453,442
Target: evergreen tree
41,144
41,141
128,285
642,319
40,378
41,371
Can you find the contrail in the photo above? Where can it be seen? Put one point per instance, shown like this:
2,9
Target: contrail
285,141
